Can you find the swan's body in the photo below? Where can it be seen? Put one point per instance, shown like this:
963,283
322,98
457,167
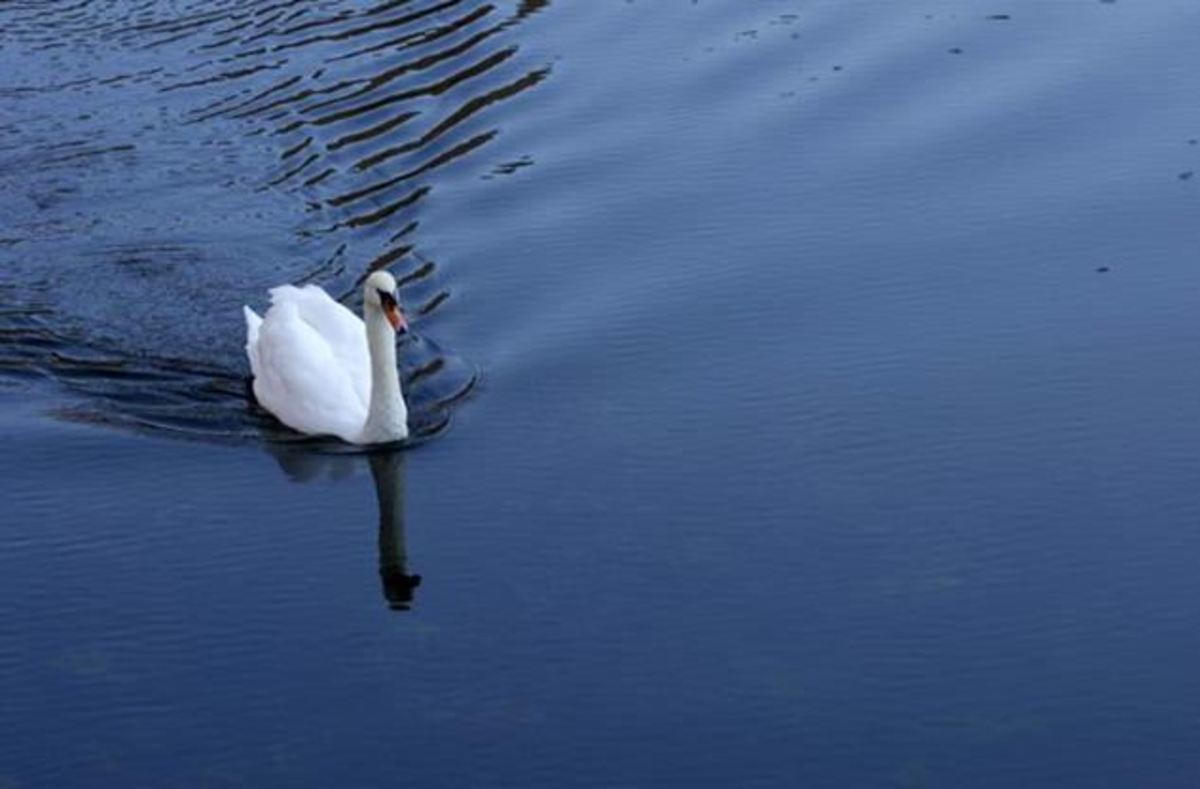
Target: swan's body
321,370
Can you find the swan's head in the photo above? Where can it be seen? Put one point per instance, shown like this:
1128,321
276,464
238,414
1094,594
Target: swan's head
379,292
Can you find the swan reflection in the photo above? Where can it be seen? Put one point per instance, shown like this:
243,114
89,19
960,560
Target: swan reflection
303,463
387,468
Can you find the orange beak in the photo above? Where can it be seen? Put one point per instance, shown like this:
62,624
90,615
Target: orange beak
396,318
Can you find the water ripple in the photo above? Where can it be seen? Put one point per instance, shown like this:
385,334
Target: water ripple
360,106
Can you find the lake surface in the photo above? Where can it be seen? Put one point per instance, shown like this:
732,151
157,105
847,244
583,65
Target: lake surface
807,394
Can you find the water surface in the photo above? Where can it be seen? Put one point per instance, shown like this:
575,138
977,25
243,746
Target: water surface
819,380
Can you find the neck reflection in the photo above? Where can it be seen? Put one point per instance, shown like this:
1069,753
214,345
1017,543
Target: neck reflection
305,463
387,468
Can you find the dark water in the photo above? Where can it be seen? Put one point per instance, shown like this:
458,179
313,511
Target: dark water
810,386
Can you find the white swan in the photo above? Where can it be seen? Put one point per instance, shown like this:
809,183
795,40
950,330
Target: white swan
319,370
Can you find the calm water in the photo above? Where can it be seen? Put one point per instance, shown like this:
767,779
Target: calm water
808,393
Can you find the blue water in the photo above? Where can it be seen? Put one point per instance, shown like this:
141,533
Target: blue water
808,393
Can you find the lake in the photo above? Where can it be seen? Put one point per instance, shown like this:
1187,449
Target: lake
805,394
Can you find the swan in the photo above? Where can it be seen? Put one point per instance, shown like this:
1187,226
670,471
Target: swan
322,371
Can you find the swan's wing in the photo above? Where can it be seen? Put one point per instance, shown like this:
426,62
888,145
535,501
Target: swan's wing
301,380
252,324
342,330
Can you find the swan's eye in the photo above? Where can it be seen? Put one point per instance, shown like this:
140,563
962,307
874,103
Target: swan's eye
385,298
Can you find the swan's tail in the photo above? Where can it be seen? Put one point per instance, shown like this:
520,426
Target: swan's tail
252,324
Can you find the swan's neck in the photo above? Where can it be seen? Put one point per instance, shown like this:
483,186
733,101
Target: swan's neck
387,416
